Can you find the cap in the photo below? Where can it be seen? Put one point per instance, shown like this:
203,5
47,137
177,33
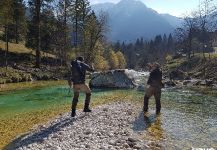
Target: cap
80,58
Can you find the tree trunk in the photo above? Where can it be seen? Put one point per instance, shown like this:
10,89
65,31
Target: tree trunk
63,54
6,46
76,23
38,38
16,32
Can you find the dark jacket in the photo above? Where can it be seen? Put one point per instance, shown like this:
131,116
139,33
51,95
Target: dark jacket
78,71
155,78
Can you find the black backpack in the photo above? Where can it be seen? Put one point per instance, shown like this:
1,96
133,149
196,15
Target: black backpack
76,71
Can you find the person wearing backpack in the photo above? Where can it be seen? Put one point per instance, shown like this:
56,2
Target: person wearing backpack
78,72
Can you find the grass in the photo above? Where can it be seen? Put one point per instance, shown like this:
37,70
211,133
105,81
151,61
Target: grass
20,48
12,75
175,63
27,85
183,61
17,48
212,55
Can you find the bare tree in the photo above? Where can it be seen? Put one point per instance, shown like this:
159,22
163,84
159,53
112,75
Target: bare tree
94,32
206,22
186,34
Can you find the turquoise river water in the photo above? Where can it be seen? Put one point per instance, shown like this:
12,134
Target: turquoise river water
188,119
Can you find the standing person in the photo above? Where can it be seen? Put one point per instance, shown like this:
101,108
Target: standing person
155,85
78,72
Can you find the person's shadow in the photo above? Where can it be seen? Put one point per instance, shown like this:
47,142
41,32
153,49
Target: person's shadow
142,122
39,136
151,124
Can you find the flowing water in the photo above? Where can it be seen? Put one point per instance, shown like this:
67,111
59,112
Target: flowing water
188,119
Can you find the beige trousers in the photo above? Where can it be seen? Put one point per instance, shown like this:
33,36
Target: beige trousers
81,88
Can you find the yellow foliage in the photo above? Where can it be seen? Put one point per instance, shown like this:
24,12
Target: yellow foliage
169,58
113,60
100,63
121,60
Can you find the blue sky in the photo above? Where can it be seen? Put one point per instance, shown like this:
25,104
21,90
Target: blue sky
173,7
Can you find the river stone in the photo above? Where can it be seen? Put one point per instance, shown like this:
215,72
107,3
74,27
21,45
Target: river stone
132,139
113,79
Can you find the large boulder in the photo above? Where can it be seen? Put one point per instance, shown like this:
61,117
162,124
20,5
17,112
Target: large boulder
178,75
113,79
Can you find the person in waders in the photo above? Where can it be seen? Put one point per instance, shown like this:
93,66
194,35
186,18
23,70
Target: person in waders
155,86
77,80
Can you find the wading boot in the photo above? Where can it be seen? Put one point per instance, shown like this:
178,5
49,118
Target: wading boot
145,107
87,103
73,113
74,104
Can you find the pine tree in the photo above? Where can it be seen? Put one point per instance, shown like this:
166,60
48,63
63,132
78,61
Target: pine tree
170,43
6,18
19,19
80,9
34,27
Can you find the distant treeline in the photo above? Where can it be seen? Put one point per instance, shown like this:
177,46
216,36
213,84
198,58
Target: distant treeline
67,28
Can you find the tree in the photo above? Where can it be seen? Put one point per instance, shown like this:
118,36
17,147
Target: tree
6,18
19,18
121,60
34,27
186,33
100,63
93,33
62,40
48,28
206,22
80,9
113,59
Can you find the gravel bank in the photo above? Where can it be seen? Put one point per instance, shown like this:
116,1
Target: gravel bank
112,126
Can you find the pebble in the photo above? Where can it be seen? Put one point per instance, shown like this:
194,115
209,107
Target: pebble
107,127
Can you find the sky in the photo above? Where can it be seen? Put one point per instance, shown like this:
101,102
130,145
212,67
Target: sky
174,7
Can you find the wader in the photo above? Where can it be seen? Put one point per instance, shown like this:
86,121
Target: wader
77,89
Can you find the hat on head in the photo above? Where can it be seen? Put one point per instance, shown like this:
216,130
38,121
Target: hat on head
80,58
156,64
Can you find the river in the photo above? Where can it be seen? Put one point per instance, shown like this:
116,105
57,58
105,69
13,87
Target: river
188,119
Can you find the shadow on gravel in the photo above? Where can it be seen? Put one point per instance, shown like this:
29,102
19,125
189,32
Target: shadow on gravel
143,122
38,137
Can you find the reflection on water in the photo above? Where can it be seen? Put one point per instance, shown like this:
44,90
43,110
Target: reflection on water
188,119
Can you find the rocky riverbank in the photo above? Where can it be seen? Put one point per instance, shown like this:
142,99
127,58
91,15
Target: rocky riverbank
112,126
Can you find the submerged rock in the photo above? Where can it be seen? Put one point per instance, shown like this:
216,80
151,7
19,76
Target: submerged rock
113,79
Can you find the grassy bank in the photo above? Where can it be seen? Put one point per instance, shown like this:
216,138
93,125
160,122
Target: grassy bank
196,67
22,49
21,65
28,85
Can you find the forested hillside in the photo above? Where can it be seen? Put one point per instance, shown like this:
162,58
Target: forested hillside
43,36
47,34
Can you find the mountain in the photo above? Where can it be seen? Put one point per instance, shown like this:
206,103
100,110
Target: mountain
131,19
102,7
174,21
